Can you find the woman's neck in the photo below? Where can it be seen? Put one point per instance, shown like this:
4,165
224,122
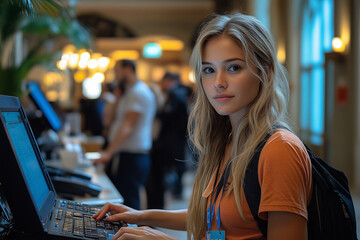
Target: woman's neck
237,117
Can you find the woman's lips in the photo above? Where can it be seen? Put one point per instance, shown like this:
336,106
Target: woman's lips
223,97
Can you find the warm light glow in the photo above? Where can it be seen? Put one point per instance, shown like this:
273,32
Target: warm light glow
191,77
281,53
51,78
61,64
85,56
73,61
91,89
65,57
104,63
83,63
92,63
98,77
171,45
96,55
125,54
79,76
89,69
69,49
52,96
338,45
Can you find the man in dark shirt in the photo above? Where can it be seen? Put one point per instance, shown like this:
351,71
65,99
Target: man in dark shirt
168,152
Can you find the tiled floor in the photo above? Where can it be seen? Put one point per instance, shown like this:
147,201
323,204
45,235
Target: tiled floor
181,204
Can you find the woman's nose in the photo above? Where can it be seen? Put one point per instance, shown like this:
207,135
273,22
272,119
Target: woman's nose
220,81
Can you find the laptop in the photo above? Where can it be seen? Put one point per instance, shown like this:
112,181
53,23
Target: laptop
37,211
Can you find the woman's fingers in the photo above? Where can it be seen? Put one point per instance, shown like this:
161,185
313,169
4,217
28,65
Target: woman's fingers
129,233
108,207
118,212
128,217
139,233
101,213
129,236
124,232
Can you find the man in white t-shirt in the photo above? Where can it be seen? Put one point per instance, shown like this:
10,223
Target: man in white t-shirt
130,138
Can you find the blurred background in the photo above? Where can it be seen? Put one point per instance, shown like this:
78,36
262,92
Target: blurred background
69,48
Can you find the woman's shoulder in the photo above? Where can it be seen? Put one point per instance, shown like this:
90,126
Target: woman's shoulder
141,92
284,172
284,137
284,144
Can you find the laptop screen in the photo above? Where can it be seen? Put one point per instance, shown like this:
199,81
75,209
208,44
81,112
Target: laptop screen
45,107
27,157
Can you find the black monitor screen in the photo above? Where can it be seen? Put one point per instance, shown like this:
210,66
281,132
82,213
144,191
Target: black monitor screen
45,107
27,157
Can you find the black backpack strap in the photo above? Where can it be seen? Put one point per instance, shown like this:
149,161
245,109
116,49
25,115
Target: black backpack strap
252,187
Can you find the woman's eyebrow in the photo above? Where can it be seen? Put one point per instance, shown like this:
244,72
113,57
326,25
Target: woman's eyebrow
234,59
227,60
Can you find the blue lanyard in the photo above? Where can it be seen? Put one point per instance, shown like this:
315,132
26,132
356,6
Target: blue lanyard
220,187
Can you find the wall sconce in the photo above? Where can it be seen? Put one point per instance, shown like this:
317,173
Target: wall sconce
171,45
338,45
124,54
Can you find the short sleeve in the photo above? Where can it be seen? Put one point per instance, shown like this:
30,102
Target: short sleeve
284,175
135,102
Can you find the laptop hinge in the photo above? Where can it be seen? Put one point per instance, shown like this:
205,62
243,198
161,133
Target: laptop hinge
47,221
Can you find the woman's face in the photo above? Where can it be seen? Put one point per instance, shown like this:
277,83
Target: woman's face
228,82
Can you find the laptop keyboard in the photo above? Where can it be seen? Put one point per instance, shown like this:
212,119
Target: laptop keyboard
78,221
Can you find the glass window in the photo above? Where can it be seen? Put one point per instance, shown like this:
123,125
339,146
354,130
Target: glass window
316,36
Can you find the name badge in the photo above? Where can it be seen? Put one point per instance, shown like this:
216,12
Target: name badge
215,235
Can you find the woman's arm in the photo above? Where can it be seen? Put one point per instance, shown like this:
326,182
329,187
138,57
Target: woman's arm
140,233
286,225
175,219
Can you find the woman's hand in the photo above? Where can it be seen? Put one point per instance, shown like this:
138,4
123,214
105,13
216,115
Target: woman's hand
104,159
134,233
119,212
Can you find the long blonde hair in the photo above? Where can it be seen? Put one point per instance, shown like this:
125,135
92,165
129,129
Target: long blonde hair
210,131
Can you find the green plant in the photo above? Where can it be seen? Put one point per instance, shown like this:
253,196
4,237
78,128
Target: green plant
35,23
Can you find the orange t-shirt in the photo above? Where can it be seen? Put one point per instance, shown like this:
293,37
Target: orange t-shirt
285,179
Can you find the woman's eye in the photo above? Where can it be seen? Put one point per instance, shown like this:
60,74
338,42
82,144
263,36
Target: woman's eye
234,68
208,70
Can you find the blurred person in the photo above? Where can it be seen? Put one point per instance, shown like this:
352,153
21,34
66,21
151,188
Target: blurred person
130,134
160,100
243,94
111,95
168,152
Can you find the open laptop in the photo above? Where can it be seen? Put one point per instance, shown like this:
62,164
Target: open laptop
29,192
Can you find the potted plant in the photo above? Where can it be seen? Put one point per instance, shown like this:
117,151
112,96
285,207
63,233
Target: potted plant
38,24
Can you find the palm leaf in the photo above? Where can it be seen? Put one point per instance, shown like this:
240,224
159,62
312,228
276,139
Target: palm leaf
37,19
10,18
30,7
37,56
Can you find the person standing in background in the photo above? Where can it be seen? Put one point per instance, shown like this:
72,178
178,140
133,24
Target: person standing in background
168,152
129,139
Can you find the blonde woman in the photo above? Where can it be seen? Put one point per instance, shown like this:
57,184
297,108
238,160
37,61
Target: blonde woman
242,94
